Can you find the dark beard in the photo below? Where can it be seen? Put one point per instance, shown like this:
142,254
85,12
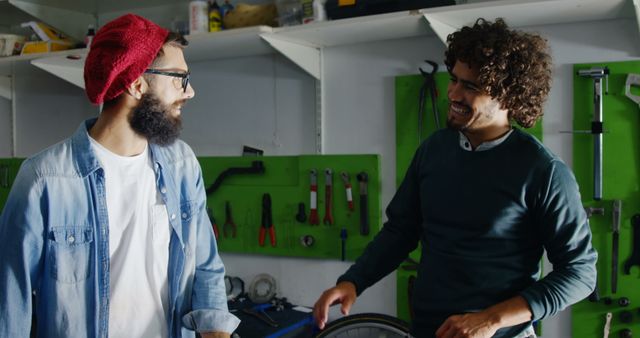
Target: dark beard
151,119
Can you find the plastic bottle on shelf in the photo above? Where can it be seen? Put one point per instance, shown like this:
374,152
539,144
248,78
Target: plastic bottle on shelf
91,32
215,17
319,13
198,17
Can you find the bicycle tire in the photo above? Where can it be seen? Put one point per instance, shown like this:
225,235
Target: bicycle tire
381,323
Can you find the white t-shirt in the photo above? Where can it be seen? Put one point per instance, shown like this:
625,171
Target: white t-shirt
139,234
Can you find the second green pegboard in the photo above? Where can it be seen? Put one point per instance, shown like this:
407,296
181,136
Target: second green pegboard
287,180
620,181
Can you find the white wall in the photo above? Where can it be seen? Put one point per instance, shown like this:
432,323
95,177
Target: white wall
268,102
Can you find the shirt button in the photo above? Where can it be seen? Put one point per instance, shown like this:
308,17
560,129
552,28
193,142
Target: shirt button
163,190
71,239
173,216
184,215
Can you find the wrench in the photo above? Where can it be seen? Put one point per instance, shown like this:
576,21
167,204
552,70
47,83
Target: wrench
607,324
635,254
363,178
347,187
617,213
328,201
313,204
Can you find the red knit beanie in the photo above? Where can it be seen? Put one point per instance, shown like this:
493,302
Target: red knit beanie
120,52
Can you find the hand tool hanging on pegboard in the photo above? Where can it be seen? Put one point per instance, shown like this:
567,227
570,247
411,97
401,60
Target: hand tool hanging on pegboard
313,203
590,211
328,197
363,179
635,245
257,167
4,176
343,242
267,221
229,228
607,324
301,216
633,80
617,214
428,85
347,186
597,124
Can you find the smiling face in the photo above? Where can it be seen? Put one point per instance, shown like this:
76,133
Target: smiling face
158,114
470,109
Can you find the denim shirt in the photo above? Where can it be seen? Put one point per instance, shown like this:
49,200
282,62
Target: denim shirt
54,241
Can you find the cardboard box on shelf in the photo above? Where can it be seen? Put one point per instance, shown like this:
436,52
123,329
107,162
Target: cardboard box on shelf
45,46
51,39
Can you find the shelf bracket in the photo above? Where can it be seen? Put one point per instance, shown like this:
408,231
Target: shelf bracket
310,59
305,56
442,29
70,22
5,87
69,68
636,7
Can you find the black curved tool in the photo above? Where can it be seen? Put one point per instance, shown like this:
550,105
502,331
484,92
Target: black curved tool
635,253
257,167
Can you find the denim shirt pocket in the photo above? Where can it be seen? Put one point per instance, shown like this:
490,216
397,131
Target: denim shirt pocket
70,253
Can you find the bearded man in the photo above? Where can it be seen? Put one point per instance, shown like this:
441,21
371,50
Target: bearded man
108,228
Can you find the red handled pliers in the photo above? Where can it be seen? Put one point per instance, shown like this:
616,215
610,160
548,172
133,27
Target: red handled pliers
267,221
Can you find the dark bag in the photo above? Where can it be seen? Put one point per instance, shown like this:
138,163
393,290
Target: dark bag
370,7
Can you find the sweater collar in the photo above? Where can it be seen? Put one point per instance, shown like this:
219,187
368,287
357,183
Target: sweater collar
466,144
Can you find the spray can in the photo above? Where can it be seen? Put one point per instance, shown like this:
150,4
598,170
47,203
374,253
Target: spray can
91,32
215,17
198,17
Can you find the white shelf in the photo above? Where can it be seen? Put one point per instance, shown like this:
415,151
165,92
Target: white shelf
303,44
6,61
357,30
522,13
69,67
227,44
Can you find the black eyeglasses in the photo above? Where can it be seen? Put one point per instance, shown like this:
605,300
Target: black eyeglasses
183,76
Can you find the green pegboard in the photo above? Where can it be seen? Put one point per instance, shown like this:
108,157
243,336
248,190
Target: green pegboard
287,180
8,170
621,163
407,89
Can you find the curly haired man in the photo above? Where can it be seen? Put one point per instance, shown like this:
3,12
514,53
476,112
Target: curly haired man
485,200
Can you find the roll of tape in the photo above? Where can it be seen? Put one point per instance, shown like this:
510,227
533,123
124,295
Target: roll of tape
262,289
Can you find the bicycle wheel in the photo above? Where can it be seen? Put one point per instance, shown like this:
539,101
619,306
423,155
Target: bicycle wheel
369,325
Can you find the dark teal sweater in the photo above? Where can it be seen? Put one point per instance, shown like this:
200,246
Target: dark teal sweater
483,219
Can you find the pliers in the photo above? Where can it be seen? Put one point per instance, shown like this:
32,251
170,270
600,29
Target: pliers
428,84
267,221
229,225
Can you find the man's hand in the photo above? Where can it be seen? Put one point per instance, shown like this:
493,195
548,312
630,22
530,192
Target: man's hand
484,324
215,335
470,325
343,293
